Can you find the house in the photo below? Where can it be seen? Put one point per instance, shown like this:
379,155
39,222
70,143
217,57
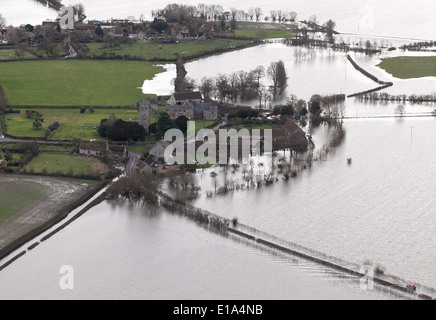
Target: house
290,135
206,111
183,97
181,109
158,151
95,148
101,149
192,110
118,152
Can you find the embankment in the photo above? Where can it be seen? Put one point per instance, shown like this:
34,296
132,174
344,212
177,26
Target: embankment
382,86
340,265
225,226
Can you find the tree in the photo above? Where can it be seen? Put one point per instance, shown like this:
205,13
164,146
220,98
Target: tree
99,31
257,13
2,22
206,87
3,102
251,13
182,123
164,123
292,16
330,26
313,20
79,12
21,49
400,110
277,73
273,15
38,120
315,104
179,82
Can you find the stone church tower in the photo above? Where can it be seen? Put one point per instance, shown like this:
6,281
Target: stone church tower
145,107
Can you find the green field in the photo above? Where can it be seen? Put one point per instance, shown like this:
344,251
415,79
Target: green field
75,82
9,54
410,67
264,30
157,51
15,196
65,164
256,126
263,33
73,123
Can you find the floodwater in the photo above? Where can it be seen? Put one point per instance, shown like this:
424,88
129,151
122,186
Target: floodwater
124,252
403,18
379,208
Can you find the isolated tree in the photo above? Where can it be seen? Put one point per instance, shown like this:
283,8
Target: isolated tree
399,110
2,22
37,121
179,83
257,13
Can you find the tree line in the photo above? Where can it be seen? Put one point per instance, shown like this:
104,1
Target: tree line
246,85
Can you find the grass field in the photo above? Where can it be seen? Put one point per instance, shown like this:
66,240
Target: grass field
263,30
15,196
410,67
65,164
75,82
256,126
150,50
9,54
73,123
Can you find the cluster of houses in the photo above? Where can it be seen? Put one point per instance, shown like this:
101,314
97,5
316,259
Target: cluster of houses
192,106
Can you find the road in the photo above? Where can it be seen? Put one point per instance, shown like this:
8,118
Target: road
132,163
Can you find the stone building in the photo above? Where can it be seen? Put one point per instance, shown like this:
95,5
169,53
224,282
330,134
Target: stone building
145,107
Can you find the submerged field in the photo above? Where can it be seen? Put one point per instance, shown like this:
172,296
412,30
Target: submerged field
16,196
410,67
27,202
75,82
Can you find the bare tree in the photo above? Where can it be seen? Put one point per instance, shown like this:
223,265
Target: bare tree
251,13
273,15
313,19
257,13
399,110
2,23
207,87
292,16
277,73
279,15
